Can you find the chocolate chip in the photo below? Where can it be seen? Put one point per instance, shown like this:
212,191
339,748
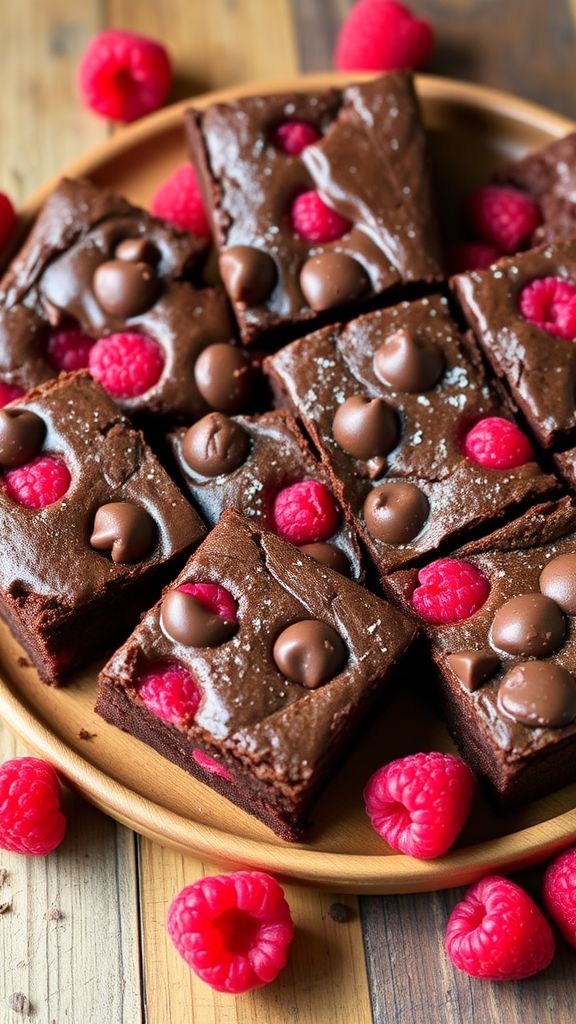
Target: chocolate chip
365,428
472,668
186,621
126,530
21,436
408,363
558,581
396,512
215,444
530,624
137,250
538,693
309,652
223,376
249,274
330,279
329,555
125,289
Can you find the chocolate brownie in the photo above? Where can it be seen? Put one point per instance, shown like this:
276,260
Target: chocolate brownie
95,262
388,399
507,682
76,572
549,176
244,463
274,675
366,158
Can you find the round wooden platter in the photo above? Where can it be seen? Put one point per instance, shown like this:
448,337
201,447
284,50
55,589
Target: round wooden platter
472,130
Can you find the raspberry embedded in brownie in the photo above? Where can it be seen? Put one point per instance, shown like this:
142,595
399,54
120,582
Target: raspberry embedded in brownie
549,176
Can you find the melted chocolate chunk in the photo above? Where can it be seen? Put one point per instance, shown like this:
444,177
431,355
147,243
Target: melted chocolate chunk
365,428
329,555
558,582
215,444
538,693
126,530
309,652
408,363
21,436
396,512
187,621
249,274
331,279
531,625
223,376
473,668
124,289
137,250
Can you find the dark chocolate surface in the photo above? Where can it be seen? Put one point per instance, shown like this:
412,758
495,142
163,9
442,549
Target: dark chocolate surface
549,175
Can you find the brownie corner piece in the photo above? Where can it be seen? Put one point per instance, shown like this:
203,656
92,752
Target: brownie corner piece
272,694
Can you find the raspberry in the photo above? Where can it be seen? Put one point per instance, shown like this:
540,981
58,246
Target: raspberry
380,35
305,513
550,303
560,893
126,365
291,137
234,931
497,444
31,821
471,256
450,589
316,222
7,218
214,597
170,693
497,932
9,393
69,349
123,76
211,766
502,217
179,200
419,804
38,483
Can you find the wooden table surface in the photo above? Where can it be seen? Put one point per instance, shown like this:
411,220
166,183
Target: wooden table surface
82,932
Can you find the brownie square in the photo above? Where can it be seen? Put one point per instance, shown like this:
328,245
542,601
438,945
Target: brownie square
507,674
549,176
537,366
244,462
53,284
65,598
369,163
415,490
265,737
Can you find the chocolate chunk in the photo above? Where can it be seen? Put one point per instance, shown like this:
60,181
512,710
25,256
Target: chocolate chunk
125,289
223,376
330,279
558,581
408,363
187,621
329,555
365,428
137,250
538,693
215,445
21,436
249,274
309,652
396,512
126,530
530,624
473,667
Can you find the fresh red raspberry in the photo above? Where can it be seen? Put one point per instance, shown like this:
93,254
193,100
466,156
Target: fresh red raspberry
38,483
170,693
7,218
291,137
211,766
123,76
419,804
380,35
503,216
450,589
126,365
215,598
550,303
497,932
179,201
305,513
234,931
316,222
69,349
31,821
471,256
497,443
9,393
560,893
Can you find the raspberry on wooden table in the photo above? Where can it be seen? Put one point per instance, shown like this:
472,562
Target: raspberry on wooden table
291,137
179,201
7,218
450,590
31,821
497,443
560,893
380,35
497,932
9,393
38,483
503,217
419,804
234,931
305,513
550,303
69,349
170,693
126,365
123,76
471,256
313,220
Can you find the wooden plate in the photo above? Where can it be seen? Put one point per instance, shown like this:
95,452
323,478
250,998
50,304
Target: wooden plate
472,130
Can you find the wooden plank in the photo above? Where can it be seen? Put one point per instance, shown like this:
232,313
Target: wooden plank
324,981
